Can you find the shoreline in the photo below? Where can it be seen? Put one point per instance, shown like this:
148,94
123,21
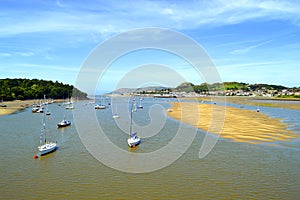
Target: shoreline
254,101
232,123
14,106
18,105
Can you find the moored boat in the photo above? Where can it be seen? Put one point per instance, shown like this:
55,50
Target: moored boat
70,106
99,106
115,116
45,146
133,140
64,123
140,106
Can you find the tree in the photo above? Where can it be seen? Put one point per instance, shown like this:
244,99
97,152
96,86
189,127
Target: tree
11,89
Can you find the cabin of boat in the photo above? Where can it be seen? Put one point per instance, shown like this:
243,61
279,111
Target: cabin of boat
100,106
46,148
134,140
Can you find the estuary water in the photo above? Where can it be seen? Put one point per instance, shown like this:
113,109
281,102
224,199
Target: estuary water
231,170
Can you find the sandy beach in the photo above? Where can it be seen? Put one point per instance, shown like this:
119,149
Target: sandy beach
14,106
239,125
17,105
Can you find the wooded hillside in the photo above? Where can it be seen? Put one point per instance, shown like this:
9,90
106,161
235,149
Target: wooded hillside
22,89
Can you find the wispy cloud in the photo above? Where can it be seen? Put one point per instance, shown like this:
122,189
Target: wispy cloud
5,55
112,17
249,48
36,67
25,54
65,31
250,64
17,52
22,54
59,4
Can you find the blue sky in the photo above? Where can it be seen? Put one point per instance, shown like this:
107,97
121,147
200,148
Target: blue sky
248,41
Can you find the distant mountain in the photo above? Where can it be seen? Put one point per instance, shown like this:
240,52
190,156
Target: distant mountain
122,91
184,87
204,87
149,89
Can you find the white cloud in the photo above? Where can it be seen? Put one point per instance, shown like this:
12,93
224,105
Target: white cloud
5,55
113,17
167,11
25,54
37,67
59,4
250,65
249,48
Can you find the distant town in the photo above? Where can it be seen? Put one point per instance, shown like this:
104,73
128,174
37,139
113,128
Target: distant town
217,89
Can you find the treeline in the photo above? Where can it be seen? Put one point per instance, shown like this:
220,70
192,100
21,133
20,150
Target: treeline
23,89
204,87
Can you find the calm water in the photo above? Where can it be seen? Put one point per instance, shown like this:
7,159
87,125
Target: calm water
231,171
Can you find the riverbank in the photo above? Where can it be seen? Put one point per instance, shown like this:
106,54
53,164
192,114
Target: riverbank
232,123
286,103
17,105
14,106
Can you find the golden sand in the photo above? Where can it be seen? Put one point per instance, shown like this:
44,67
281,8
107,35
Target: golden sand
239,125
14,106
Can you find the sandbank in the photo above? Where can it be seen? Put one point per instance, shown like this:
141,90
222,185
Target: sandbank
14,106
232,123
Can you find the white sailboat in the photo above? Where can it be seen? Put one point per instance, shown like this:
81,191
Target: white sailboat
100,106
47,110
70,106
140,106
115,116
133,140
133,105
63,123
68,101
45,146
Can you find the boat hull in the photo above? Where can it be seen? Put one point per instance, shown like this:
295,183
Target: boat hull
116,117
47,148
60,125
100,107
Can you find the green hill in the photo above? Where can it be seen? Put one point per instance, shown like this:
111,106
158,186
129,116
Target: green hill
233,86
22,89
184,87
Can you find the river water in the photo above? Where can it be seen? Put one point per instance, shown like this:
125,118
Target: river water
231,170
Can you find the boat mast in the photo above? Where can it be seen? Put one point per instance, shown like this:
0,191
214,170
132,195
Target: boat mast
131,111
44,121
